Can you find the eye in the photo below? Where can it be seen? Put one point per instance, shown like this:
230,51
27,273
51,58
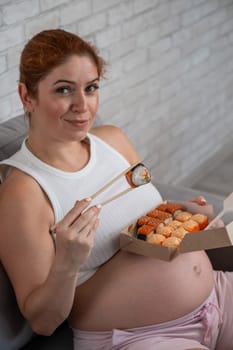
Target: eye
64,90
92,88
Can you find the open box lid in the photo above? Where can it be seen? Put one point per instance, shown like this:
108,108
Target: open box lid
208,239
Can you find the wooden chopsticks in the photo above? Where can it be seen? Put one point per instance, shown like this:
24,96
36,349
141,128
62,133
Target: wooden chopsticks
117,196
102,189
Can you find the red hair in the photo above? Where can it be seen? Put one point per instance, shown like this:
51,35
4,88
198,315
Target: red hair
49,49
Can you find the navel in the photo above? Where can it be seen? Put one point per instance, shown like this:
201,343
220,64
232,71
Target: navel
197,269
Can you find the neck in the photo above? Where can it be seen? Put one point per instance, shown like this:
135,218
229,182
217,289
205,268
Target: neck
71,156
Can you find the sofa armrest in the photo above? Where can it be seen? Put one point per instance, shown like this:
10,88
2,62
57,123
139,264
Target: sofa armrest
61,339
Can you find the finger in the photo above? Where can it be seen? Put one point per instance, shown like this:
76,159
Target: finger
89,230
86,218
217,224
199,200
72,215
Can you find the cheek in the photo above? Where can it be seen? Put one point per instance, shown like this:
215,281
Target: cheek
95,104
57,107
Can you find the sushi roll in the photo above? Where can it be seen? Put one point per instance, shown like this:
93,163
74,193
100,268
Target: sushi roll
191,225
172,208
148,220
162,215
174,223
156,239
145,230
171,242
180,232
142,237
155,222
143,220
183,216
138,176
201,219
166,231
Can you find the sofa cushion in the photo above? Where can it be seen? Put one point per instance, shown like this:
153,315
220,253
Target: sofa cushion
12,133
14,330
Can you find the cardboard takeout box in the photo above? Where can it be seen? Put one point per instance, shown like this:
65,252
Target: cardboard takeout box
201,240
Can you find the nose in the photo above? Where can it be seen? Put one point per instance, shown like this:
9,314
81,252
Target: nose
79,103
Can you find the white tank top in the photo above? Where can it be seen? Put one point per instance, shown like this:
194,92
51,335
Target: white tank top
65,188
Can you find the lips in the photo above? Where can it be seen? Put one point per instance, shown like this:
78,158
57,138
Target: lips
78,122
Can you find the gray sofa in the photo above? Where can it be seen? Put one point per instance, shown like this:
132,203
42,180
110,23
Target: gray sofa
15,333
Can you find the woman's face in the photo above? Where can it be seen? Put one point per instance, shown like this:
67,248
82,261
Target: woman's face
67,100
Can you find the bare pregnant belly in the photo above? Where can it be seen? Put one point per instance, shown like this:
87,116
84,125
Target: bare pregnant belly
132,291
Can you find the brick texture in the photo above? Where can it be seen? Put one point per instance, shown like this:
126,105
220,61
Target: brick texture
170,76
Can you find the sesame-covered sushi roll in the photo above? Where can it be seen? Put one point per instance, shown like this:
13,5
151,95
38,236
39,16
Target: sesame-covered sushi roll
183,216
156,239
174,223
166,231
201,219
191,225
171,242
179,232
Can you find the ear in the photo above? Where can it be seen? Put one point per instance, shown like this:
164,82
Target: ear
27,101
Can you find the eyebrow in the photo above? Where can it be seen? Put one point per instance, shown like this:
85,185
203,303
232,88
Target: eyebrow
73,82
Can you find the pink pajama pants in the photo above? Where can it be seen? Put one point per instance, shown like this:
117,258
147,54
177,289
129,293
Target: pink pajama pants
207,327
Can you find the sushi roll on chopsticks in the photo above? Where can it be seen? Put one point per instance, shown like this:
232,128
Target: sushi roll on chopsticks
138,176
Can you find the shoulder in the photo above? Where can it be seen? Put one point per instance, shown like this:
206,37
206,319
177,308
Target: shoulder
117,139
18,183
21,188
110,134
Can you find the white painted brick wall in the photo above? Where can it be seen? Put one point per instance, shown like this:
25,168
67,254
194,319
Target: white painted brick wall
46,5
11,36
120,13
92,24
44,21
74,11
170,78
18,12
3,64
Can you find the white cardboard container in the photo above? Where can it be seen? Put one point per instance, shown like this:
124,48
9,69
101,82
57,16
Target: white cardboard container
209,238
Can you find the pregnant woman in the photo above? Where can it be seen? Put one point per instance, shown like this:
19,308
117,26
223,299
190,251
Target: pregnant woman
112,299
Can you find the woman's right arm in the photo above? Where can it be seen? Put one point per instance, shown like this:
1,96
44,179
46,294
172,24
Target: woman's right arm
44,280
